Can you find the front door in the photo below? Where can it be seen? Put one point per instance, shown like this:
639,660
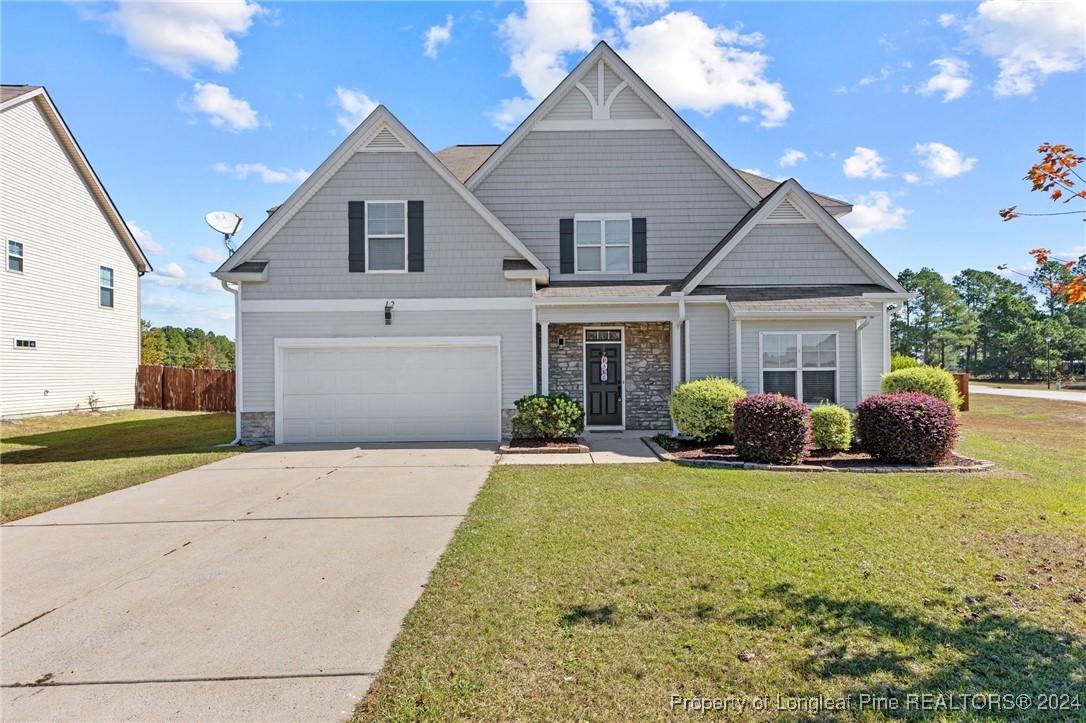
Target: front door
603,385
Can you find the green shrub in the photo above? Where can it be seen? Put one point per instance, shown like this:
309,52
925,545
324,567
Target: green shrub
704,408
932,381
553,416
831,427
900,361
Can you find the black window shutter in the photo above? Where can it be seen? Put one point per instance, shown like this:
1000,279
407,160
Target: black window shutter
356,236
565,245
415,244
640,247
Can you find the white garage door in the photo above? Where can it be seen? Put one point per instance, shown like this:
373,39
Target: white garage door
404,393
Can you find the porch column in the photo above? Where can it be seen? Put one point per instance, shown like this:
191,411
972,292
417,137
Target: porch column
544,356
676,347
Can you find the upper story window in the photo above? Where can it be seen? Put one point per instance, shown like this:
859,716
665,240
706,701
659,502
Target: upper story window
799,365
386,236
15,256
602,243
105,286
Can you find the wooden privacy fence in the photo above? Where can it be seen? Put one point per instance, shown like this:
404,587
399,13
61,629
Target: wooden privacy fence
962,380
187,390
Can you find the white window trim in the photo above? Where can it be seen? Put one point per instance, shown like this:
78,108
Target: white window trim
366,221
602,218
21,256
622,373
112,286
799,368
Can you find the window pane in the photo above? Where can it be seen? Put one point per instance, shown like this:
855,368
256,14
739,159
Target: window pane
15,263
778,351
618,232
618,259
588,232
588,258
14,247
819,350
105,296
819,387
386,254
385,218
779,383
105,276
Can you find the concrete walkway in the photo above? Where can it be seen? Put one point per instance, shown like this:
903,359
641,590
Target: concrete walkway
268,586
1063,396
606,448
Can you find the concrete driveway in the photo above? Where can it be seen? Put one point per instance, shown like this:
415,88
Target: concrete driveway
267,586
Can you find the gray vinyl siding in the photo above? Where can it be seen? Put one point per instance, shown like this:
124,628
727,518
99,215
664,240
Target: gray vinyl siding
876,354
574,106
610,81
655,174
710,326
627,105
82,348
308,256
846,359
784,254
260,329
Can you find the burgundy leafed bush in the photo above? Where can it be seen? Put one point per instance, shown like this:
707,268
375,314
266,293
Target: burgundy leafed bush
906,428
771,428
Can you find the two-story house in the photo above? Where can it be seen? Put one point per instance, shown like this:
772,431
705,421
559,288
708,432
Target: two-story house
70,290
604,250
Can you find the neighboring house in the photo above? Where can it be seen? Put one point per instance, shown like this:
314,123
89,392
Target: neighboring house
69,293
604,250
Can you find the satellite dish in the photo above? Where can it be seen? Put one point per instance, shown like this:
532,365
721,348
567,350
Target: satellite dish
227,223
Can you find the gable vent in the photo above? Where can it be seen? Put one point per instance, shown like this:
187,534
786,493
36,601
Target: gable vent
385,140
786,213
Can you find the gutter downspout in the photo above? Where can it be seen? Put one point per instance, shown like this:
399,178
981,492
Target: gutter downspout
236,291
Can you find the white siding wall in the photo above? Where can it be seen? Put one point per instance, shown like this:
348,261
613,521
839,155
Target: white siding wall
846,360
876,354
710,327
627,105
655,174
574,106
82,349
260,329
784,254
309,255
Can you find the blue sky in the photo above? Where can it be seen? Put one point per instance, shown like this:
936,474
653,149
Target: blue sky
923,115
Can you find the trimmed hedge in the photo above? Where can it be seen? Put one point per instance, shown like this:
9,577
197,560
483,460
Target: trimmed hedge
772,428
907,428
703,409
900,361
551,416
831,427
932,381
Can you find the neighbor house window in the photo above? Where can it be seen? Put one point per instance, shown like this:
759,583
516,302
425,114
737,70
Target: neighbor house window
105,286
386,236
603,243
15,256
800,365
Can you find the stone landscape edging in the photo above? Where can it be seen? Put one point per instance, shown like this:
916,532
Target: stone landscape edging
507,448
982,466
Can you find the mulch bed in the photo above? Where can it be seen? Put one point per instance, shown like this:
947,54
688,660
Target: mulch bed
853,459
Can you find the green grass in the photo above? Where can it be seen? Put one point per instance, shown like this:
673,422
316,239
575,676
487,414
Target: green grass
596,593
1077,386
48,462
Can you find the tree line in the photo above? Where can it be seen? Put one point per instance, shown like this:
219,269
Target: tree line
191,348
991,326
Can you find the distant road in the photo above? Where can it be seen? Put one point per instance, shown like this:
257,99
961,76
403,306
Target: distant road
1034,393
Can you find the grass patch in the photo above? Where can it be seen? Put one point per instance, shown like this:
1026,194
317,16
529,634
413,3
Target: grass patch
598,592
49,462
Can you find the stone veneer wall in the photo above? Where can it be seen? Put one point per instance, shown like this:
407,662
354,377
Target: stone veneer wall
647,366
258,427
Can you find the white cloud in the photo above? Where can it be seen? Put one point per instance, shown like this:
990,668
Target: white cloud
692,65
197,286
755,171
538,42
354,106
952,80
181,36
241,171
223,109
865,163
885,73
172,269
1029,40
947,19
874,213
912,178
206,255
144,239
942,160
625,12
189,310
791,157
438,35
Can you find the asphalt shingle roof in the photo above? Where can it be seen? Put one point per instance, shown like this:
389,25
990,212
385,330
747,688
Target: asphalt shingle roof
780,299
601,290
7,92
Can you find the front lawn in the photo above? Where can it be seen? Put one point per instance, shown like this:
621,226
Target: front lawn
598,592
48,462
